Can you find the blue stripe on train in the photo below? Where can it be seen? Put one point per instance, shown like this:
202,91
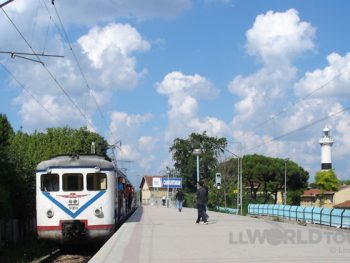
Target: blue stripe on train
80,210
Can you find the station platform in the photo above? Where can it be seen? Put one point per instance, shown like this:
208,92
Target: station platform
161,234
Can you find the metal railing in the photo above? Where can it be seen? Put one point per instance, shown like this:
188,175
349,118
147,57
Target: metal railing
332,217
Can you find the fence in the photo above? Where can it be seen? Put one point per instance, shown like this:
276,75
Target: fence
333,217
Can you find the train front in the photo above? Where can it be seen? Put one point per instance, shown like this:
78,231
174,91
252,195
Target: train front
75,199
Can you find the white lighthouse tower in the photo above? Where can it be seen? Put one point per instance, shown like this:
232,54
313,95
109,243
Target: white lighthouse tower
326,149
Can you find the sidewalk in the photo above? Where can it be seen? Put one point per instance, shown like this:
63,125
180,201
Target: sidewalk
160,234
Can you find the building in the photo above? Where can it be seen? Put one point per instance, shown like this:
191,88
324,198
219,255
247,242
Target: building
152,191
313,197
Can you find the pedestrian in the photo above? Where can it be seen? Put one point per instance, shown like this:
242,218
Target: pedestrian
179,199
206,202
163,200
202,198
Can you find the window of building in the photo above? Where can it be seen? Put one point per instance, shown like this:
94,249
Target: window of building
96,181
49,182
72,182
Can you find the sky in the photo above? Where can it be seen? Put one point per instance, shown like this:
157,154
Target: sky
267,75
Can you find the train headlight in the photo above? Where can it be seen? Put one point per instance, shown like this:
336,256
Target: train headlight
98,211
49,213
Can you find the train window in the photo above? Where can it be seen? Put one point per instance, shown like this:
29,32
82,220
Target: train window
96,181
49,182
72,182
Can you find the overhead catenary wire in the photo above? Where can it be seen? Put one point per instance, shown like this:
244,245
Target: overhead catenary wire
79,66
300,128
274,116
47,70
30,94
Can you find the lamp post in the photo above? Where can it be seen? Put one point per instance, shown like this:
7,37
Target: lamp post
239,178
197,152
285,180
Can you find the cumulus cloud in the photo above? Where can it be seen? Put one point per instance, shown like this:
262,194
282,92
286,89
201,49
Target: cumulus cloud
279,36
331,82
184,92
276,39
109,50
271,121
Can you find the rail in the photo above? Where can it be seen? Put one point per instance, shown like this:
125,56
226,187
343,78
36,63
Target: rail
332,217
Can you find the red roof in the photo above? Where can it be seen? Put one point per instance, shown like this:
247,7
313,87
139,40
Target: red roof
345,205
315,192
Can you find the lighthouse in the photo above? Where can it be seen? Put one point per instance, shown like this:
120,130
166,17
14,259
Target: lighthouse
326,149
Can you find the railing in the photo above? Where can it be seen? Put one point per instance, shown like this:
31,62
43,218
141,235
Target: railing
339,218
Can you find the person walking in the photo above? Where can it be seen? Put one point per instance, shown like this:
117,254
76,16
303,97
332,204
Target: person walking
202,198
179,199
206,202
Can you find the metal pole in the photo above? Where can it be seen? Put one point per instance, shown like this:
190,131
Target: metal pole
197,170
167,193
285,181
241,185
238,186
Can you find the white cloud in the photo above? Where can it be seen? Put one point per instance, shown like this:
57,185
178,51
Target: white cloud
331,82
184,92
147,143
109,49
124,126
279,36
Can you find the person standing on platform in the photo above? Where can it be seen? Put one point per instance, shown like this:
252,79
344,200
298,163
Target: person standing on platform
206,202
202,198
179,199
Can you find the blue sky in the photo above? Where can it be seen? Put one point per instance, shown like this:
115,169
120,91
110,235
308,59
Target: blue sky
263,74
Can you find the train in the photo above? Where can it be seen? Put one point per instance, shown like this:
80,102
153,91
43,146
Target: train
81,198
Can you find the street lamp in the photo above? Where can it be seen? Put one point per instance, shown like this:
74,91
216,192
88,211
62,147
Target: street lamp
197,152
285,180
239,177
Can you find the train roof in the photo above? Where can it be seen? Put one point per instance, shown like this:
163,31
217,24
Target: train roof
83,161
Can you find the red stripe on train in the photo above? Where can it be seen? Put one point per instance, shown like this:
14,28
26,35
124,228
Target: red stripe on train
88,227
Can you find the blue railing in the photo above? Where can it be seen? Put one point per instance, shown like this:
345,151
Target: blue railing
317,215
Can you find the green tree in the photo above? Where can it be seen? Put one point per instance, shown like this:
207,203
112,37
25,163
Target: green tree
185,160
327,180
8,177
266,175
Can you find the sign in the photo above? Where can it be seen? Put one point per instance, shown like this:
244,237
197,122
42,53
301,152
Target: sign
157,182
173,182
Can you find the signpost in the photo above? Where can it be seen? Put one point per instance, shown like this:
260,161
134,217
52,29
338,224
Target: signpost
172,182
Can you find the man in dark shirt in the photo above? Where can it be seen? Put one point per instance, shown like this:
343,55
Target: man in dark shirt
179,199
202,199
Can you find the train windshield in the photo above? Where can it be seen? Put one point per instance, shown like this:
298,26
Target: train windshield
96,181
72,182
49,182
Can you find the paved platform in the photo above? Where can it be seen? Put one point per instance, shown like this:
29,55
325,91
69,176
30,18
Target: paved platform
160,234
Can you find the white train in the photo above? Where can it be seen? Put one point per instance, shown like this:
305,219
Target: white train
80,198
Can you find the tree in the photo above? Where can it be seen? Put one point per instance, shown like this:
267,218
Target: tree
266,175
327,180
8,176
185,160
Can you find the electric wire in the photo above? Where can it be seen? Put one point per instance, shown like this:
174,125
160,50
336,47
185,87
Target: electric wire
79,66
30,94
48,71
274,116
300,128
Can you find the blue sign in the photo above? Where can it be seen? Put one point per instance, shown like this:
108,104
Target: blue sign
172,182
